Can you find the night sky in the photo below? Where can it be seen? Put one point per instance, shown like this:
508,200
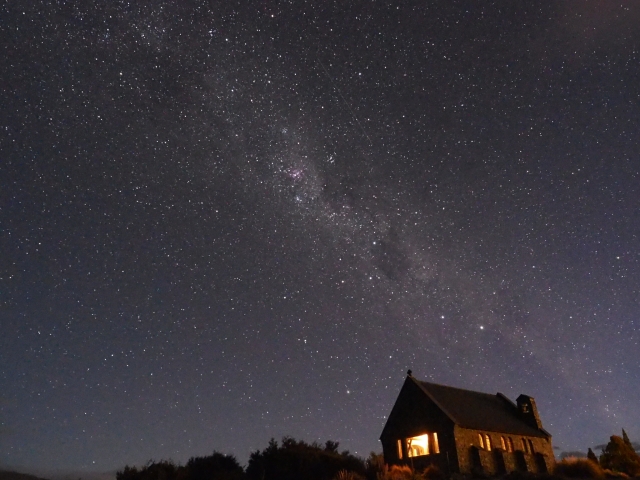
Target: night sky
222,222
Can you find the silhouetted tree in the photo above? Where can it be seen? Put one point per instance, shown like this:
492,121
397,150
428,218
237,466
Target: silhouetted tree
128,473
297,460
374,466
214,467
620,456
331,446
592,456
162,470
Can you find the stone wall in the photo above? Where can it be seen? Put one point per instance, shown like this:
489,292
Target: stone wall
476,458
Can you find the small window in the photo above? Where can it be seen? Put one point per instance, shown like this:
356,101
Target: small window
531,450
487,440
436,445
503,443
511,447
399,449
418,446
481,440
524,446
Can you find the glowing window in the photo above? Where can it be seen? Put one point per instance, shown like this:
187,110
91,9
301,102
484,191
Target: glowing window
481,440
400,449
488,442
436,445
503,443
417,446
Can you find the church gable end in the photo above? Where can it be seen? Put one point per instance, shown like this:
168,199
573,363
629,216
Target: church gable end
417,430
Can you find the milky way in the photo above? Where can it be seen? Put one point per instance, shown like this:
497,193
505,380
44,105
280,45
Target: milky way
224,222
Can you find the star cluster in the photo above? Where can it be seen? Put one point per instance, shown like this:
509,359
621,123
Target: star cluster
222,222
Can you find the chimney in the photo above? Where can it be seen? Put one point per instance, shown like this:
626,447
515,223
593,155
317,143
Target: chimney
529,411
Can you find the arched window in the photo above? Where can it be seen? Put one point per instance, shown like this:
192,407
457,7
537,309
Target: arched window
531,450
487,440
503,443
481,440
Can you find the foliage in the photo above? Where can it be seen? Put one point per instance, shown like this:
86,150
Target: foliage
214,467
578,468
348,475
403,472
374,465
619,456
399,472
298,460
433,473
162,470
592,456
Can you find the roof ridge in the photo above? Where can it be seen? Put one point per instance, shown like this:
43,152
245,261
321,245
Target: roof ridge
461,389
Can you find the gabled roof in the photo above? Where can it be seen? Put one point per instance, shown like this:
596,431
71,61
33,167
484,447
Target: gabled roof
479,411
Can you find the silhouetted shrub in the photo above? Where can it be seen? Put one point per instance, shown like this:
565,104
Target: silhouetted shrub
578,468
374,465
404,472
162,470
214,467
399,472
128,473
432,472
348,475
297,460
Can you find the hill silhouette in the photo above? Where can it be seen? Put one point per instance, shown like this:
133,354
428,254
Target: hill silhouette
10,475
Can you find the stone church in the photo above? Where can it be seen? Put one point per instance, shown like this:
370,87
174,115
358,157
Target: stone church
462,431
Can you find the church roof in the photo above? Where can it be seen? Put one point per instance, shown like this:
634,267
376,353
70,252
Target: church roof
479,411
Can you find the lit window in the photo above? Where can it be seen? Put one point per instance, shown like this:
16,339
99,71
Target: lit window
503,443
400,449
436,445
488,442
481,440
417,446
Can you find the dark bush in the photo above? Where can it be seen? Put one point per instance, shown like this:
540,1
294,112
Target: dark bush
433,473
162,470
578,468
214,467
297,460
